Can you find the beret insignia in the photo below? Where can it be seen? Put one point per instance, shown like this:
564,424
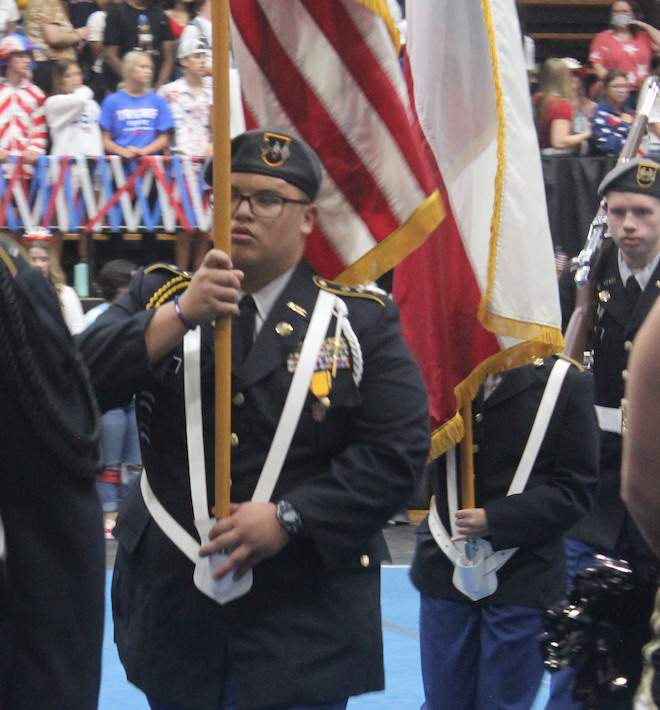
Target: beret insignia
646,174
275,149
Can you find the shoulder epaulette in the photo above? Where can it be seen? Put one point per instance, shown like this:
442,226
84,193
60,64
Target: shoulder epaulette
344,290
570,359
9,262
177,282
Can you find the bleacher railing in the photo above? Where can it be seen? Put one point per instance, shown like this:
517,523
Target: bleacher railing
105,194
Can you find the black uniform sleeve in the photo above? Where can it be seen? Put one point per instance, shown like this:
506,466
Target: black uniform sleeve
115,349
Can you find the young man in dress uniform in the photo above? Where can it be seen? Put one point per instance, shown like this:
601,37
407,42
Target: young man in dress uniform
308,633
627,290
52,549
480,651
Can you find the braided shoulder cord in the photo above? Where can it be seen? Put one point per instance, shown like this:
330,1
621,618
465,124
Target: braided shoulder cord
78,452
344,326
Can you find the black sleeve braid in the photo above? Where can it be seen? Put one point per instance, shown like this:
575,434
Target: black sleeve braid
78,451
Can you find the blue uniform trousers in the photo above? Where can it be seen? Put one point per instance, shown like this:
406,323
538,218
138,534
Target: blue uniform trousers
478,657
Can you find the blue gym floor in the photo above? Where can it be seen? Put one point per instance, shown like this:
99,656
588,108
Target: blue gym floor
403,681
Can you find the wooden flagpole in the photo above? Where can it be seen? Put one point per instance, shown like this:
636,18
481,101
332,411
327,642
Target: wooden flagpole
467,459
222,240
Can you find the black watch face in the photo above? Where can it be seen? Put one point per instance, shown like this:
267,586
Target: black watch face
289,517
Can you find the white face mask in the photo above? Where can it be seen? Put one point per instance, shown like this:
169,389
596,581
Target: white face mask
621,19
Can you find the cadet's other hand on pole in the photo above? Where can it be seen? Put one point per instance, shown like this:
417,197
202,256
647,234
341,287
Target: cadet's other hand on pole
251,532
213,290
471,522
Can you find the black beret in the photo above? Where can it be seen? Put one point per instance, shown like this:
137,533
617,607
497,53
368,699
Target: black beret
638,175
268,151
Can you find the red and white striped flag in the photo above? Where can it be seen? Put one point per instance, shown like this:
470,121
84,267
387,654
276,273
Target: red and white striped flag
486,279
328,72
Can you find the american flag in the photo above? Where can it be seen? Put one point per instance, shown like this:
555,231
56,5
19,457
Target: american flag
328,72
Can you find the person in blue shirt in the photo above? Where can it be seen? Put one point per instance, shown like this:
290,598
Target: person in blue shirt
611,121
135,120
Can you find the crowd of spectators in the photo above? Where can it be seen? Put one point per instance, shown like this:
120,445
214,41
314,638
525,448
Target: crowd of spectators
589,110
93,79
132,78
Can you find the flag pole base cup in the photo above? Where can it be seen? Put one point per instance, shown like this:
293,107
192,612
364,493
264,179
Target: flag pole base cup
226,588
475,577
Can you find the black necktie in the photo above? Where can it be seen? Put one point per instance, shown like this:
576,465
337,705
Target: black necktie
247,314
633,291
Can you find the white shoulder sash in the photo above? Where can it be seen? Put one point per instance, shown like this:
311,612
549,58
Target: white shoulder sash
225,589
477,577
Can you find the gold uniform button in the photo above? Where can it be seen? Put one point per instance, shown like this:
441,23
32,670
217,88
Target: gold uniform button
624,374
284,329
234,440
478,417
604,296
364,560
628,345
238,399
475,448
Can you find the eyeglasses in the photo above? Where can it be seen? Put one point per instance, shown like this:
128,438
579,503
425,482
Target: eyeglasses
619,86
263,204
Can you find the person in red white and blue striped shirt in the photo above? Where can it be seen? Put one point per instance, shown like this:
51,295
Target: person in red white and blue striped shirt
23,129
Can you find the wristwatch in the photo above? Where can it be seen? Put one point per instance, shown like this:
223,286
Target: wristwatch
289,518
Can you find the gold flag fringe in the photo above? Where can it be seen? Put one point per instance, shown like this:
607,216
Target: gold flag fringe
521,354
397,246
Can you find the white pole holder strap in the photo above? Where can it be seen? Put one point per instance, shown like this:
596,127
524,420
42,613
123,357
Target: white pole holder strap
226,588
477,577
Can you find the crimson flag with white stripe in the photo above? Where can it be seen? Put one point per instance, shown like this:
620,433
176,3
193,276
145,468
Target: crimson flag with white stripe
487,277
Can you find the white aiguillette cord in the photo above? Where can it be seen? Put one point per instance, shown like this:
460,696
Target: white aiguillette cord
279,448
523,472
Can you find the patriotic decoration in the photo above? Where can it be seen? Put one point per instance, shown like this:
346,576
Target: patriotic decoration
328,72
37,234
79,193
485,284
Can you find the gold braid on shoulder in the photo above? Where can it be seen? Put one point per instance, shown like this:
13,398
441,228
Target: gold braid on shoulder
167,291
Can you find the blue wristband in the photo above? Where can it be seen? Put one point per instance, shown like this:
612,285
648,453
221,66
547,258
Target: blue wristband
182,318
